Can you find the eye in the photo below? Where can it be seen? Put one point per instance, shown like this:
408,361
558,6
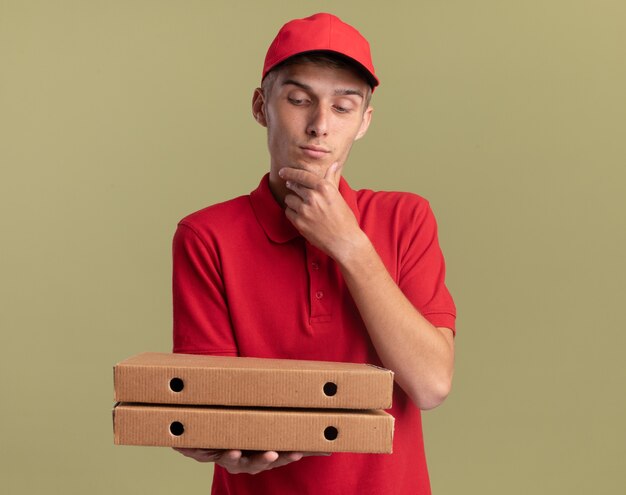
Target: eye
296,101
344,105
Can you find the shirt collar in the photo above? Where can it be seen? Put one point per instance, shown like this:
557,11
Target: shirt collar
271,215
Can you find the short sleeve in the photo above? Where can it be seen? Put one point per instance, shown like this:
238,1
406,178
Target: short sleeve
423,270
201,318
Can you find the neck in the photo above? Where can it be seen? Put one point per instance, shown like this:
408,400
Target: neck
278,188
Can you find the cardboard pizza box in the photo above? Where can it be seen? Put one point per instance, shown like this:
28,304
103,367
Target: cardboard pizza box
262,429
162,378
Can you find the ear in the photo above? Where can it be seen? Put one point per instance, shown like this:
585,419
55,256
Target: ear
258,107
365,123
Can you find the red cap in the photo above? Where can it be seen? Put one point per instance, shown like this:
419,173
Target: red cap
320,32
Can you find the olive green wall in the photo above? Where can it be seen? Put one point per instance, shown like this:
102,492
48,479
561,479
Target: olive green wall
119,117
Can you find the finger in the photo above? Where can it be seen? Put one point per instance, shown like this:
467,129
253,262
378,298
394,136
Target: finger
209,455
292,216
269,457
262,460
285,458
293,202
302,177
301,191
256,463
289,457
230,457
333,173
294,456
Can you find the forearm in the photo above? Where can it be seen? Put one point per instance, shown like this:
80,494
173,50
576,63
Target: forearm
421,355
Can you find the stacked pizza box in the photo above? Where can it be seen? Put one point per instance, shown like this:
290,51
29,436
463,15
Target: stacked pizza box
223,402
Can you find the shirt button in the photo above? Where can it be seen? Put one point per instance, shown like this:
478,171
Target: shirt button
319,294
315,265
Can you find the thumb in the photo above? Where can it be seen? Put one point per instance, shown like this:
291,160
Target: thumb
333,173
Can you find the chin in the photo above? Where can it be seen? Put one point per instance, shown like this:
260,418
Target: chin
315,167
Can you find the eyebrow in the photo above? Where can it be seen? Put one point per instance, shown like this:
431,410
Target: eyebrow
338,92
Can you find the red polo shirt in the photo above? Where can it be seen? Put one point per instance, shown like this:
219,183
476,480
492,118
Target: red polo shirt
247,283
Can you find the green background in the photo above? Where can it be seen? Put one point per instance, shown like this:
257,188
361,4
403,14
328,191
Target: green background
117,118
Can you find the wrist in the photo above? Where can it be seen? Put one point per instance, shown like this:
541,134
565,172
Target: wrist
355,252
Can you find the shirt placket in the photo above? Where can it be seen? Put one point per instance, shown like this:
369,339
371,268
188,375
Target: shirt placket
320,290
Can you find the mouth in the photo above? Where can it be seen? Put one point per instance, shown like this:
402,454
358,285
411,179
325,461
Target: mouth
316,152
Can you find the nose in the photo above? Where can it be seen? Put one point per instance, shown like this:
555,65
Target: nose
318,123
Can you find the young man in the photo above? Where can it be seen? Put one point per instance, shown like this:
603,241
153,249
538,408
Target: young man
306,268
